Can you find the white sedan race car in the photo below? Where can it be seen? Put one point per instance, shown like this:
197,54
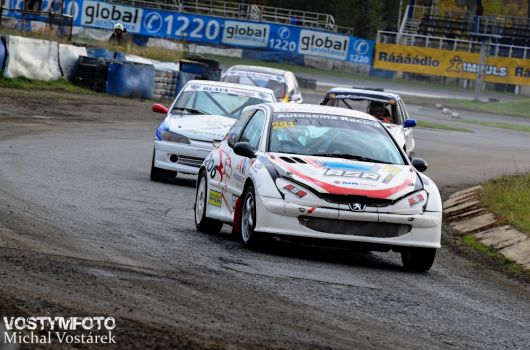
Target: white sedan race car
201,114
319,173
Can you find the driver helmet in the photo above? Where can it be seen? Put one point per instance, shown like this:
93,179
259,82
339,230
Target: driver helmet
118,26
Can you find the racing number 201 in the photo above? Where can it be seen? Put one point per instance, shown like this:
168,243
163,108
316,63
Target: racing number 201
282,125
210,30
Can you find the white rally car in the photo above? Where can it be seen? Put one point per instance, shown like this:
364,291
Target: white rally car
388,107
323,173
201,114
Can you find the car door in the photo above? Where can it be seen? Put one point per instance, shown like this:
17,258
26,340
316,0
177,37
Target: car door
252,134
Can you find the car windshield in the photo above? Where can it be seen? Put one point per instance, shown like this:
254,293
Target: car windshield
219,100
332,136
383,109
270,81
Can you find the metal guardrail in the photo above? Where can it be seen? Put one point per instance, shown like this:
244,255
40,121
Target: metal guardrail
443,43
232,9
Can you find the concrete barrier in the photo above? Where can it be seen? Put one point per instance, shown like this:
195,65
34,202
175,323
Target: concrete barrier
68,57
32,59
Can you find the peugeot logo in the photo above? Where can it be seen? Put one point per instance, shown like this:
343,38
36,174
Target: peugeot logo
357,206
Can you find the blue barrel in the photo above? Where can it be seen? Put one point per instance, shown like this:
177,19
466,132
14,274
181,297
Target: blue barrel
129,79
3,53
197,68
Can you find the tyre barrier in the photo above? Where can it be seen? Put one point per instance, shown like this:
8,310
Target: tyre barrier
91,73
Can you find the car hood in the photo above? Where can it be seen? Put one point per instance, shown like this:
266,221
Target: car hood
203,127
397,132
348,177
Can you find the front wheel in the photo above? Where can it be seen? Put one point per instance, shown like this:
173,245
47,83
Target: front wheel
202,223
418,259
160,175
249,237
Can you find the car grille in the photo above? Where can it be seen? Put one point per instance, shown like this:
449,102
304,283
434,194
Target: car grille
355,228
348,199
191,161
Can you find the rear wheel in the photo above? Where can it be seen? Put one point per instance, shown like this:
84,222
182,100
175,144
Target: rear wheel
202,223
160,175
418,259
249,237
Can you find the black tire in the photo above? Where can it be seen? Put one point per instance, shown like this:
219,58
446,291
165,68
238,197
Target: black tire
202,223
249,237
418,259
160,175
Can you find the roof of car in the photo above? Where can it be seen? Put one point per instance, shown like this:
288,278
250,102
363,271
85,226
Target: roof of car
232,85
367,92
307,108
258,69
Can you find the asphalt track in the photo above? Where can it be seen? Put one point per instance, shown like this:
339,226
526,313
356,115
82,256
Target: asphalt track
84,231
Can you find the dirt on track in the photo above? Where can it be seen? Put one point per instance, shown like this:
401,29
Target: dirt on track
84,232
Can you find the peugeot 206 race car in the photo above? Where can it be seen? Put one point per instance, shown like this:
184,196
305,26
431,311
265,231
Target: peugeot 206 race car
321,173
389,108
201,114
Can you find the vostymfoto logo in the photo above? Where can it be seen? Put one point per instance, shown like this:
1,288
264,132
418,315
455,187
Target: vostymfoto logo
246,34
104,15
323,44
45,330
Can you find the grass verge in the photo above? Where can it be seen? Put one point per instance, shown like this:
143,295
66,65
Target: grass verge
431,125
60,85
510,265
499,125
517,108
509,196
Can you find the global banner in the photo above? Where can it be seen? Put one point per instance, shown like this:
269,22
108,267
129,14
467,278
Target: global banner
453,64
214,30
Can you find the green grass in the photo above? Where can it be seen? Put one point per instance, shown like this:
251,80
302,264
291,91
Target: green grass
500,125
517,107
510,265
60,85
509,196
431,125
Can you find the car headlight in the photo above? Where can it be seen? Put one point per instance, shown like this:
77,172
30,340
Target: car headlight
173,137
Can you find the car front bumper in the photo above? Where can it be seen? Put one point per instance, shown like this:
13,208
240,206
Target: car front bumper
179,157
278,217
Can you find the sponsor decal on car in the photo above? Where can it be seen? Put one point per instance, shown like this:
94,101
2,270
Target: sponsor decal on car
295,116
259,75
215,198
295,190
417,199
352,174
224,90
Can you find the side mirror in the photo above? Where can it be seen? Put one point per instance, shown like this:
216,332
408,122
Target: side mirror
420,164
159,108
409,123
243,149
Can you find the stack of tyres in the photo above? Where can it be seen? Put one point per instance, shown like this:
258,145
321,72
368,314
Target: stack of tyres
165,84
91,72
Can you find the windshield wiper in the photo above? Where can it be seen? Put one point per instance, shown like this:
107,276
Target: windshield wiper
190,110
349,156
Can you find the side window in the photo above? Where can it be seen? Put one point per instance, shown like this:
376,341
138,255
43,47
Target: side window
235,130
254,129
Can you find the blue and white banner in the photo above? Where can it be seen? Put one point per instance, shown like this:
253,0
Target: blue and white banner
215,30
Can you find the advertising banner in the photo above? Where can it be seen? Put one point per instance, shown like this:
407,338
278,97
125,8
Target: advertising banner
453,64
215,30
